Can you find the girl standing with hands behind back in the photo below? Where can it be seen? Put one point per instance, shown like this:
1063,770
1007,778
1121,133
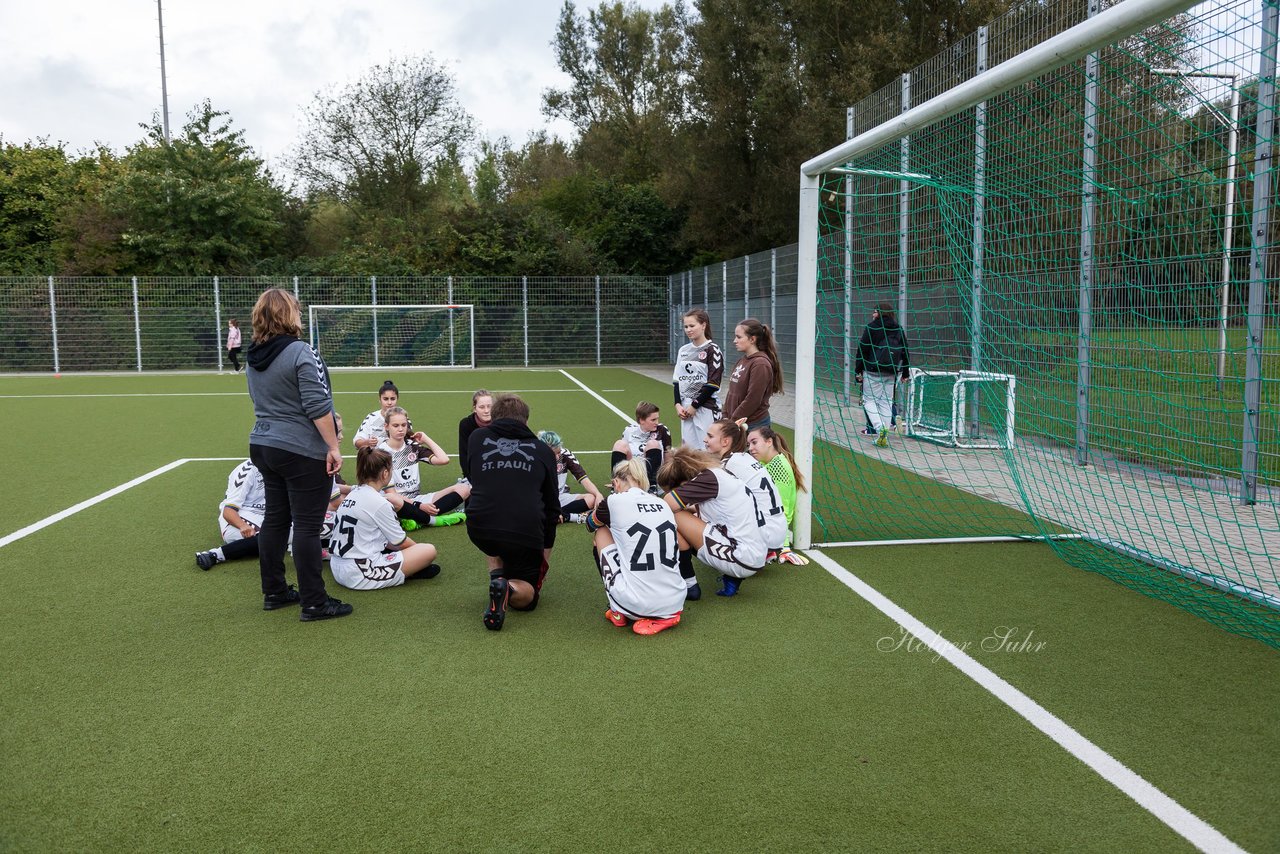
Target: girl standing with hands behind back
756,377
699,370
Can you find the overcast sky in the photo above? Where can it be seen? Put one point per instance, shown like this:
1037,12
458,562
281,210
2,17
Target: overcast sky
87,71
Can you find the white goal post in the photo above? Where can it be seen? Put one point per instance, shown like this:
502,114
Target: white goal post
394,336
940,408
1117,22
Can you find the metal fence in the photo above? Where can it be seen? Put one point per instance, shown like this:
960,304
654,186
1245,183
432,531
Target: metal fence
54,324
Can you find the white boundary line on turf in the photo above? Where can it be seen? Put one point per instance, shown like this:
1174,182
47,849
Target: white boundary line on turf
245,392
583,386
1178,818
87,503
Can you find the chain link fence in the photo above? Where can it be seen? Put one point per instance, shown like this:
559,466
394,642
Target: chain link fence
56,324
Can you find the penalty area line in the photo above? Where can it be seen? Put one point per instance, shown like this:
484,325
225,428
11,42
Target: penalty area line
1178,818
580,384
87,503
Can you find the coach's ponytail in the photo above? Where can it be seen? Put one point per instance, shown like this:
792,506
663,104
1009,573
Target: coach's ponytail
371,462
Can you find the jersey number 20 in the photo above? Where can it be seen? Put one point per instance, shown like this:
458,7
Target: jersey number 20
668,549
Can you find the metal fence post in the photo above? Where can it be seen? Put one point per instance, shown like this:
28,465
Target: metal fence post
773,288
449,297
524,300
137,325
746,286
53,326
706,287
598,320
1259,254
373,300
1088,264
904,209
670,317
295,289
979,236
217,322
724,292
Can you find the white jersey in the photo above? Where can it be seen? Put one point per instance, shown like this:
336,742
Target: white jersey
748,469
365,525
246,494
641,571
725,501
374,426
637,437
405,478
698,365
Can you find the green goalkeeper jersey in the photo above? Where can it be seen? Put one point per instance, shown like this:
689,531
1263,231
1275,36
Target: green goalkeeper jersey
784,479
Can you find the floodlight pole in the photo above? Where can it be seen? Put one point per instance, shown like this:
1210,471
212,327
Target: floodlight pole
164,84
1229,201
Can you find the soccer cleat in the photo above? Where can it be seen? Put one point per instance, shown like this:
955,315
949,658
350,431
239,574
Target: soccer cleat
272,601
882,441
656,490
867,431
446,519
576,519
693,592
409,525
206,560
617,619
331,609
652,627
496,613
429,571
788,556
729,586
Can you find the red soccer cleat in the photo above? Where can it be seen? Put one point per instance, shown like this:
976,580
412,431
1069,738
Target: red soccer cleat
617,619
652,627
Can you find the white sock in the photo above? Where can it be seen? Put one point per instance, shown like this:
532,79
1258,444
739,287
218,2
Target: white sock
575,517
219,555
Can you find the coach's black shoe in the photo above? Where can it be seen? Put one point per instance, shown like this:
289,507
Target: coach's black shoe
271,601
206,560
496,613
329,610
694,593
428,571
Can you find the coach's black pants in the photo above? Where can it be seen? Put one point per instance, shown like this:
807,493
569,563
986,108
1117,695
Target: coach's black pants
298,490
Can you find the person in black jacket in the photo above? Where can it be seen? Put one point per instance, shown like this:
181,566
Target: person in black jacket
882,358
514,507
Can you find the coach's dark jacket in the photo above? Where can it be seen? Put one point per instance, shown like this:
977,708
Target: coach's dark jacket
883,348
515,493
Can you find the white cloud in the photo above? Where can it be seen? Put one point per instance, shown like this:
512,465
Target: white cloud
86,71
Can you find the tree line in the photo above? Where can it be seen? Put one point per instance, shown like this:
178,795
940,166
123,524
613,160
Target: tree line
690,127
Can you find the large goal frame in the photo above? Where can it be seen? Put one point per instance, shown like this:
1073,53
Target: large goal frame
1110,25
374,308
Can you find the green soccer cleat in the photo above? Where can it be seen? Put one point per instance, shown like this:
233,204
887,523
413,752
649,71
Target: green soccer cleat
444,520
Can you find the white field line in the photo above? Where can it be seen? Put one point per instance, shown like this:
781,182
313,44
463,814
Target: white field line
87,503
244,393
1177,817
624,416
344,456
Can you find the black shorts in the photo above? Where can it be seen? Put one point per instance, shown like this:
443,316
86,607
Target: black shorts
518,562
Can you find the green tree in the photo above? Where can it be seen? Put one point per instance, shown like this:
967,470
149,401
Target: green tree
35,180
630,76
200,205
374,142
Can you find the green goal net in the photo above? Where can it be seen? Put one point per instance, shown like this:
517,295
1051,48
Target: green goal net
1082,266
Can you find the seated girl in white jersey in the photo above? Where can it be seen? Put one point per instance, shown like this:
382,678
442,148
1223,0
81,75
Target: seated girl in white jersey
368,549
573,508
727,532
240,515
769,448
373,428
728,440
637,552
647,439
405,492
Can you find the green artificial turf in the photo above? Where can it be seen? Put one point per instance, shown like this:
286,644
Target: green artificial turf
145,704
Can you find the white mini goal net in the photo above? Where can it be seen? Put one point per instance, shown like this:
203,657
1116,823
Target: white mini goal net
394,336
